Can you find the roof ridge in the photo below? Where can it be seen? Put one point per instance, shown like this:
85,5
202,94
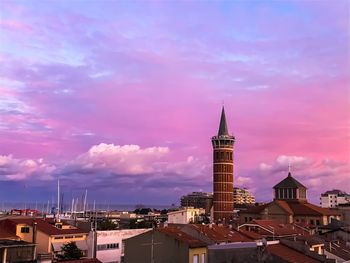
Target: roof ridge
284,208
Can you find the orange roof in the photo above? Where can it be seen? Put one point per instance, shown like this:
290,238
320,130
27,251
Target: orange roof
181,236
277,228
288,254
221,234
42,226
304,208
284,205
296,208
251,234
5,234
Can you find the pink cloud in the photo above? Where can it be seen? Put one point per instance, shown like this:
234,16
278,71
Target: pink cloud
80,79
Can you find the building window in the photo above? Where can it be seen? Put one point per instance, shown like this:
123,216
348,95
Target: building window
25,229
317,222
195,258
203,258
58,237
108,246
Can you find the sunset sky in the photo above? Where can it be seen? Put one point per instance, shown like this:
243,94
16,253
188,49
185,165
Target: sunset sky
122,97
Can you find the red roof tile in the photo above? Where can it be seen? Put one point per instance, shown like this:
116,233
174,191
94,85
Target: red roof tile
304,208
5,234
288,254
181,236
284,205
42,226
278,228
221,234
251,234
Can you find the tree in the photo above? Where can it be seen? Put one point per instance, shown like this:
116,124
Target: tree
134,224
142,211
106,224
70,251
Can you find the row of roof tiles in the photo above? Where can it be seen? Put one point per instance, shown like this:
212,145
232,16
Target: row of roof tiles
8,227
296,208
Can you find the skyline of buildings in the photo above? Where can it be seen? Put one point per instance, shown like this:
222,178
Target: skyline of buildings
123,103
109,147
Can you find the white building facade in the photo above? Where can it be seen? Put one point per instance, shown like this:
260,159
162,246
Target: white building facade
334,198
185,216
109,244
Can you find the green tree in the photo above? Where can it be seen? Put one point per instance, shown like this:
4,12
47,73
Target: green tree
134,223
106,224
70,251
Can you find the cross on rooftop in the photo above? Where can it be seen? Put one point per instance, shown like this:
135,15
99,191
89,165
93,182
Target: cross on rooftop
152,244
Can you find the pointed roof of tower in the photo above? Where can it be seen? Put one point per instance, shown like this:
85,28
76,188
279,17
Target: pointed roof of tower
223,125
289,182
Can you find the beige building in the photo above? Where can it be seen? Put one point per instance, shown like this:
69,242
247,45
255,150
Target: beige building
242,196
49,236
334,198
185,216
167,244
290,205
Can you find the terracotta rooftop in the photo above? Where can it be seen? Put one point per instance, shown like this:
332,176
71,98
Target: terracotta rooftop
289,255
277,228
251,234
221,234
42,225
297,208
284,205
181,236
5,234
304,208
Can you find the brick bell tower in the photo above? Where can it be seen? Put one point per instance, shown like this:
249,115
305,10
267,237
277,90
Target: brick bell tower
223,173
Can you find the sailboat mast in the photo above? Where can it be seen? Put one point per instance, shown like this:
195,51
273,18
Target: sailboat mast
58,198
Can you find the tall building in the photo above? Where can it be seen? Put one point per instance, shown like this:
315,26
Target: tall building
334,198
198,200
222,172
242,196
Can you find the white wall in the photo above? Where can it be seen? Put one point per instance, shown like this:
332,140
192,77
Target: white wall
108,237
184,216
333,200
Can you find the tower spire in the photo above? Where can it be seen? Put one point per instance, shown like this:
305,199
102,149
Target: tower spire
223,125
289,169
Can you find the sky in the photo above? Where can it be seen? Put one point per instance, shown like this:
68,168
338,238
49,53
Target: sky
122,97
